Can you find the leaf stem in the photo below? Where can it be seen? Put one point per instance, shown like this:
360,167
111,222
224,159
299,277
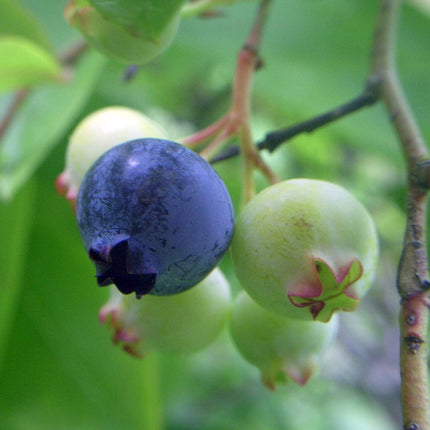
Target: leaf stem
412,270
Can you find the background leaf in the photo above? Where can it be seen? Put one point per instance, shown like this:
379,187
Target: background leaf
41,121
24,64
17,20
15,244
145,17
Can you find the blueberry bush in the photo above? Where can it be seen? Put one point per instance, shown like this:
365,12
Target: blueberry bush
242,242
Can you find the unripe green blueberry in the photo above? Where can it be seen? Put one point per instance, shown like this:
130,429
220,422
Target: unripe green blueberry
305,248
94,135
182,323
282,348
115,40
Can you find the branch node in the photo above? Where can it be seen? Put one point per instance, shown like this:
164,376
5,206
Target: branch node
420,174
411,319
425,285
412,426
413,341
253,52
373,88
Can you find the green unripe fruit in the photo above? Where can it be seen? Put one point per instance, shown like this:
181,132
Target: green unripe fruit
305,248
115,40
181,323
95,134
282,348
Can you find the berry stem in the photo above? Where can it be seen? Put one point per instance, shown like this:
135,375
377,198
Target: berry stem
206,133
236,122
248,62
412,269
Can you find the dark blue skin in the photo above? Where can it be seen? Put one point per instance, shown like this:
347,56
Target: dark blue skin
154,217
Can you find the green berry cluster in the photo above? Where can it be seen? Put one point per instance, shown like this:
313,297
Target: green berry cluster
302,250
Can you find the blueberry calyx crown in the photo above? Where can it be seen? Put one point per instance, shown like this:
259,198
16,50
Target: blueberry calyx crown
113,269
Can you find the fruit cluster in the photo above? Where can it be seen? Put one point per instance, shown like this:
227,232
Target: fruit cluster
156,220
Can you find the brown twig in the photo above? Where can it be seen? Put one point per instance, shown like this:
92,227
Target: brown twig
412,270
15,104
71,55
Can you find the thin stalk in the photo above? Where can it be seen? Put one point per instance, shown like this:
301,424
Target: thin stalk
206,133
276,138
237,121
248,61
152,414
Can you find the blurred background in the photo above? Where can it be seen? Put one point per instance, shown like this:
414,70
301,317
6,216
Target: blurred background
58,367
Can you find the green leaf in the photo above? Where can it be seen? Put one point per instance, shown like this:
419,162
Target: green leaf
144,18
23,64
421,5
41,122
16,20
15,223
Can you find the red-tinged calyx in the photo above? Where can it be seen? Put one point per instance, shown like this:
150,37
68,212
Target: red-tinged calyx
74,12
329,291
64,187
300,373
112,314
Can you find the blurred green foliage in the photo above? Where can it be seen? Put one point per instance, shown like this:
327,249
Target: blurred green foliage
58,368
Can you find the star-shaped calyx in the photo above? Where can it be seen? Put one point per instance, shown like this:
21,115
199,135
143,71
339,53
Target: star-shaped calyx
111,266
329,291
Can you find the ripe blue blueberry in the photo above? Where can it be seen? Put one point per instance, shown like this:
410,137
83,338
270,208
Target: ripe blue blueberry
154,217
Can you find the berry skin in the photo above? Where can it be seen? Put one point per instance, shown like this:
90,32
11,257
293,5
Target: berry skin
282,348
95,134
305,248
182,323
154,217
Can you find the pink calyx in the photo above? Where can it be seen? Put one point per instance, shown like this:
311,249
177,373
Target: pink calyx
64,187
299,373
112,314
328,291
